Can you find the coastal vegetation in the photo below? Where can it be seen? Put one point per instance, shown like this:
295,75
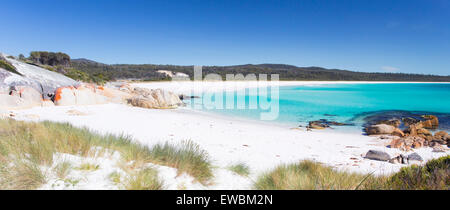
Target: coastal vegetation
61,63
434,175
187,157
8,67
50,58
28,149
144,179
91,71
286,72
309,175
240,168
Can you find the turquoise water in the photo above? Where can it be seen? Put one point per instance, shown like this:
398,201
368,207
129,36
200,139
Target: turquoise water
344,102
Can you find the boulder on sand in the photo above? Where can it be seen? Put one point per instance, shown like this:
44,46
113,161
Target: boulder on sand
86,95
377,155
394,122
397,143
81,95
380,129
65,96
423,131
441,135
154,99
324,123
8,101
21,97
31,97
398,132
414,158
431,122
144,102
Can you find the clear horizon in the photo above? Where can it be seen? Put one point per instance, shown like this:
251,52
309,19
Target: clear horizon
367,36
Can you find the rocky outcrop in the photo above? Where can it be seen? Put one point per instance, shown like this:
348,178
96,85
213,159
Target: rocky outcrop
22,97
30,86
392,122
87,94
413,158
154,99
415,135
431,122
401,159
380,129
377,155
34,86
44,81
324,123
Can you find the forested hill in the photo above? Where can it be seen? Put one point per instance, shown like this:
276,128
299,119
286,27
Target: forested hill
92,71
286,72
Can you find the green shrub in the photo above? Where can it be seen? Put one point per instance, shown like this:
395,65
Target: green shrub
434,175
77,75
8,67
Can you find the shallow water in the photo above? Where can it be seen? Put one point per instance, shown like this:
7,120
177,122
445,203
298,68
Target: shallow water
344,102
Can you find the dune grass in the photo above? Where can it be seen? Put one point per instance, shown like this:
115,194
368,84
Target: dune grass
62,169
186,157
36,143
115,177
308,175
88,167
144,179
240,169
21,175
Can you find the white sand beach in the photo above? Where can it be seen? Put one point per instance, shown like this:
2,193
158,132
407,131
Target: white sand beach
187,87
262,146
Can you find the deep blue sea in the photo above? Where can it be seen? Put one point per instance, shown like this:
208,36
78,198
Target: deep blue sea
348,102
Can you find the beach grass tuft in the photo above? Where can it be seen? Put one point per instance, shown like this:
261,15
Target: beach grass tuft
115,177
21,175
62,169
309,175
241,169
88,167
187,157
144,179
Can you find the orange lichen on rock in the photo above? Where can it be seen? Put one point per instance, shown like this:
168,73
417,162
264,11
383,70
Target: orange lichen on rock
397,143
58,93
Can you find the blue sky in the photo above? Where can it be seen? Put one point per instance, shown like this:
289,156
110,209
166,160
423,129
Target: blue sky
361,35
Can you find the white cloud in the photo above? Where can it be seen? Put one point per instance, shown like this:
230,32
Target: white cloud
390,69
